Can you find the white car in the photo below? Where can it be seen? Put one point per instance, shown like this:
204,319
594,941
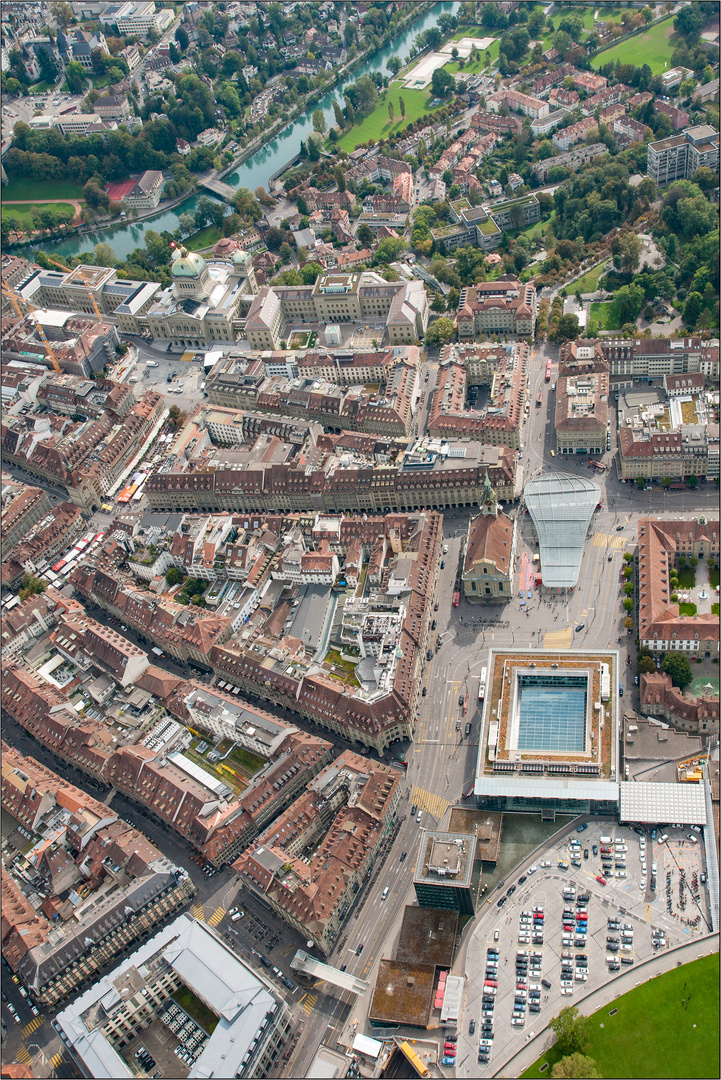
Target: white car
566,990
531,870
581,976
621,874
546,864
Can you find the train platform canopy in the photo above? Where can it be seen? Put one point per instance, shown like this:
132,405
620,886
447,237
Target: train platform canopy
679,804
561,507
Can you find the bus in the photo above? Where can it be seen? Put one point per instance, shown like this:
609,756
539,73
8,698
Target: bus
456,599
539,401
548,370
482,684
598,465
58,566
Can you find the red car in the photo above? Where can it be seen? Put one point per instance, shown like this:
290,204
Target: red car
601,880
582,917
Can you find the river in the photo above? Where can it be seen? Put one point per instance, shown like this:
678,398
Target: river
266,161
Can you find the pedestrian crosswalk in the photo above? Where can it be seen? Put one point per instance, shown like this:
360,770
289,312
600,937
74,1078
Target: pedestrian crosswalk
198,912
558,639
436,805
23,1055
56,1060
216,917
31,1027
607,540
308,1003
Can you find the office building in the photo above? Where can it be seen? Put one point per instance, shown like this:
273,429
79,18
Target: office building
678,157
448,872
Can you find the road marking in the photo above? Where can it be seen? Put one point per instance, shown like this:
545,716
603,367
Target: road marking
23,1055
436,805
607,540
29,1028
216,917
286,950
56,1060
198,912
308,1003
558,639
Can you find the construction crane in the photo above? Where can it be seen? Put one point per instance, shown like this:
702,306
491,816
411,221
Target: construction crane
86,283
14,299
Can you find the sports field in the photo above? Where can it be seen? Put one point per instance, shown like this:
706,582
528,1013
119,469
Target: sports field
23,211
667,1027
17,190
652,47
377,124
605,315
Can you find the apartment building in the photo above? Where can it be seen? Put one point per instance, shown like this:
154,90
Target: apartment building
517,102
22,507
572,159
566,138
678,157
581,412
187,958
661,628
499,307
503,368
651,359
61,921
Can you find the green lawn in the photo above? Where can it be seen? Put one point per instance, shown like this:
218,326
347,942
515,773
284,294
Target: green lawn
652,47
605,315
538,229
687,608
713,576
686,577
17,189
205,238
653,1033
197,1009
41,88
24,213
377,125
589,282
249,763
714,609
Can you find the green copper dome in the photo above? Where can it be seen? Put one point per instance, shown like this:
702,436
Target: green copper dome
186,264
240,257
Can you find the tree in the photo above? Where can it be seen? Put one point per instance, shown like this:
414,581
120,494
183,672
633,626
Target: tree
692,309
687,88
75,76
575,1065
48,70
628,588
389,249
647,13
402,107
104,255
95,196
536,22
365,235
440,332
182,38
567,328
563,42
30,586
678,667
319,123
646,665
338,113
630,252
394,63
628,622
572,1030
390,111
630,300
442,82
62,15
173,576
689,21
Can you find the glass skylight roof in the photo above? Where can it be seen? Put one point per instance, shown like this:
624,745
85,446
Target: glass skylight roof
561,507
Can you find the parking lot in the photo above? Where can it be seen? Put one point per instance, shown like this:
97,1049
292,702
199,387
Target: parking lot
560,932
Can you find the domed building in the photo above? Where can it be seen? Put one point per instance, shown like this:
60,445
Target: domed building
206,302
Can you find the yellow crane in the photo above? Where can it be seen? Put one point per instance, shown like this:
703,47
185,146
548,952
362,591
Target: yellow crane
86,283
14,299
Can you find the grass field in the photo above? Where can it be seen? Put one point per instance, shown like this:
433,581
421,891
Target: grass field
24,213
50,190
205,238
589,282
41,88
653,1033
713,576
686,608
686,577
605,316
652,47
539,228
715,609
377,125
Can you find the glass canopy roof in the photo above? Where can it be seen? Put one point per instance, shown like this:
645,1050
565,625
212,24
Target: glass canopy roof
561,507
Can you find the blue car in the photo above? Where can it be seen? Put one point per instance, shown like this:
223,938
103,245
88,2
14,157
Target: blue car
448,1060
581,828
